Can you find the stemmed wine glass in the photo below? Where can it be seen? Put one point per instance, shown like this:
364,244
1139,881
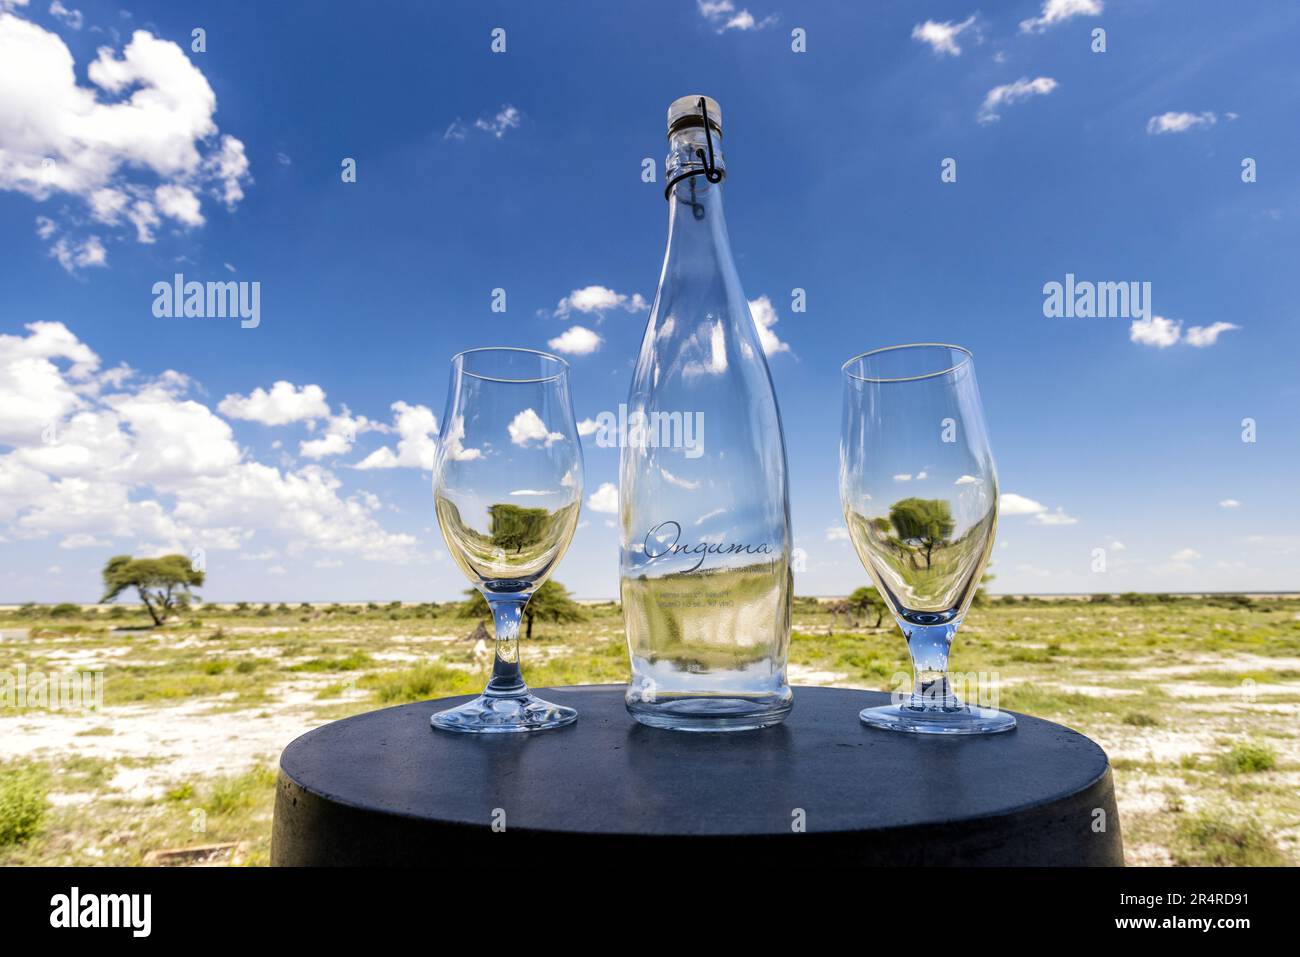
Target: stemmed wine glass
507,488
920,497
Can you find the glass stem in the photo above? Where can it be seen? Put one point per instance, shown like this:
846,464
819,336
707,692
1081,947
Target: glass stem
507,680
928,645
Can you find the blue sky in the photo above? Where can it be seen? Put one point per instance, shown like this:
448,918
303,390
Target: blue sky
521,170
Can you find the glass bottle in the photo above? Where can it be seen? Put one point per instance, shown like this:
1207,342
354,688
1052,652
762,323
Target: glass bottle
704,513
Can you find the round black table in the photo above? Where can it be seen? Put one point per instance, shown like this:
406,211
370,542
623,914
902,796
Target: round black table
384,788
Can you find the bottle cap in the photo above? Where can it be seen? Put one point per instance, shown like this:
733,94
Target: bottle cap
685,112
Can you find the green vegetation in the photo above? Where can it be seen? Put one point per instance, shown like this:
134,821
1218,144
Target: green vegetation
1248,758
22,803
1213,838
1193,699
550,604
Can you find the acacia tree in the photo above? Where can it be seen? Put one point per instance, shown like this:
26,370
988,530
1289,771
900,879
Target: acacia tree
163,584
865,600
550,603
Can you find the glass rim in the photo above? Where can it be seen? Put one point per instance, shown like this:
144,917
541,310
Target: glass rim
458,361
967,356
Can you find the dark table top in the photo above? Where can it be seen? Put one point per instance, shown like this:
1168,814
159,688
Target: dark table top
608,775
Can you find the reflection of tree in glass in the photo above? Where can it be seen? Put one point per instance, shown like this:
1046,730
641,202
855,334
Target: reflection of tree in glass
514,528
922,523
510,542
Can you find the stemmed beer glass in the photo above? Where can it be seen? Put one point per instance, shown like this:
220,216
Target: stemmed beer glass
507,488
920,497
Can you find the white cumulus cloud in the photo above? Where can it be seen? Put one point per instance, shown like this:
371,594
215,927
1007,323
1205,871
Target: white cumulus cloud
765,318
576,340
598,300
417,442
604,499
137,463
528,426
942,37
137,146
283,404
1156,331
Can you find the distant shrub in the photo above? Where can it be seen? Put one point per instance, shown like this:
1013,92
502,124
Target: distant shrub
22,805
1232,601
65,610
1099,599
1141,719
1248,758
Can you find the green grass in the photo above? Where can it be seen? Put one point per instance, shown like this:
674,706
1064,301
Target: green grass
1221,765
420,683
1216,839
231,795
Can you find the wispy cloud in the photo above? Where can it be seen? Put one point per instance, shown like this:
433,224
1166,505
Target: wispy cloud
1202,336
723,15
1058,11
1009,504
507,118
942,37
1009,93
1161,333
496,125
70,18
1180,122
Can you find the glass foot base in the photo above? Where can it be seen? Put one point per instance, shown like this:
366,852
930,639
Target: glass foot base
490,715
712,713
967,719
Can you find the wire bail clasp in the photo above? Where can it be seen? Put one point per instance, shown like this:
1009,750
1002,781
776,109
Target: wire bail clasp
711,172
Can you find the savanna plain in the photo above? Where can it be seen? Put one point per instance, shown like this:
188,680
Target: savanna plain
1195,700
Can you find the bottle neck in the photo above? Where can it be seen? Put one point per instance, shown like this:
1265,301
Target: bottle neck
697,231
